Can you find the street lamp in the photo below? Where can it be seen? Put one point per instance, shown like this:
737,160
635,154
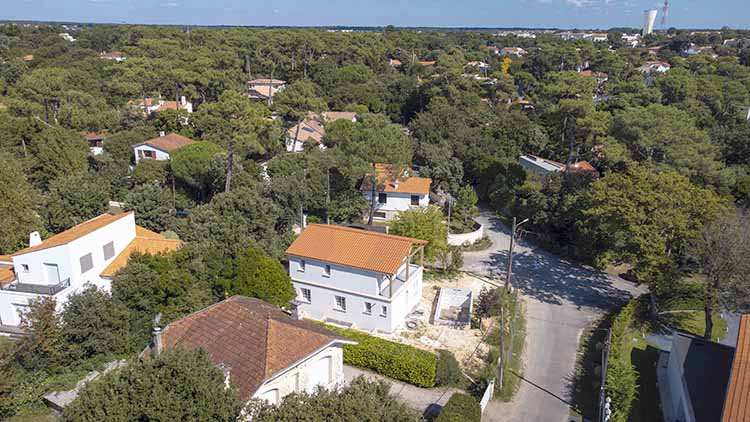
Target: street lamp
510,250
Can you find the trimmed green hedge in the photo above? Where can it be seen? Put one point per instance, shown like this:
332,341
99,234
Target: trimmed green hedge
394,360
460,408
622,379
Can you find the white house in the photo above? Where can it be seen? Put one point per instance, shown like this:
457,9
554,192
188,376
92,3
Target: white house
264,352
512,51
87,254
160,148
655,67
312,129
395,194
356,278
154,105
95,141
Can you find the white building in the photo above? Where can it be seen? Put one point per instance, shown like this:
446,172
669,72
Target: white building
513,51
95,141
264,352
153,105
312,129
395,193
159,148
655,67
87,254
541,167
649,17
355,278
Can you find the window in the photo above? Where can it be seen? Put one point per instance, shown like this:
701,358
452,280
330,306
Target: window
109,250
368,308
87,262
340,303
384,311
327,271
25,267
415,199
382,198
379,214
301,265
306,295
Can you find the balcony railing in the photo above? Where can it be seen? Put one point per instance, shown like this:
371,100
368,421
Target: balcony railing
38,289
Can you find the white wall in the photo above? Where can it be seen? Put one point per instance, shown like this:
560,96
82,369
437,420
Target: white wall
395,203
342,277
67,258
160,155
306,375
466,238
322,303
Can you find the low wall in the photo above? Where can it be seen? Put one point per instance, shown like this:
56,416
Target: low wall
466,238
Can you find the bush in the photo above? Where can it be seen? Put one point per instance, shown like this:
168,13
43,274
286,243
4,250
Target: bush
460,408
394,360
448,372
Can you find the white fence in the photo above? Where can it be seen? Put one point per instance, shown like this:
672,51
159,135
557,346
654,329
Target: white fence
466,238
487,396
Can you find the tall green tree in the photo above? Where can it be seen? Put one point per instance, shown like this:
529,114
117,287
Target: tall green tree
258,275
424,224
18,207
73,199
57,152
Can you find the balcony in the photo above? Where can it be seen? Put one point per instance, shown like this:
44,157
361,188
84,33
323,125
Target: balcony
400,279
38,289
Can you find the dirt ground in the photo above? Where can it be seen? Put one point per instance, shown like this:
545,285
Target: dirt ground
466,344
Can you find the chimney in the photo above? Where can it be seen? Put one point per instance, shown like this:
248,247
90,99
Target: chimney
158,346
395,183
35,239
161,133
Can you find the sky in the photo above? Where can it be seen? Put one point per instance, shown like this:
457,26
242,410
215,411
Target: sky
437,13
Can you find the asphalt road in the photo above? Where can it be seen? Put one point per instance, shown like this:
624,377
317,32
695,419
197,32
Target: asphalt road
561,300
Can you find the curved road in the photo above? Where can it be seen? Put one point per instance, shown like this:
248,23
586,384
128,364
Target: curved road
561,299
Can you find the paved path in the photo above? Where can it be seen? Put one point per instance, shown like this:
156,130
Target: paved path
561,300
421,399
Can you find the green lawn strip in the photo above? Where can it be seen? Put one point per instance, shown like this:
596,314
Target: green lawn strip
513,368
587,379
695,323
644,357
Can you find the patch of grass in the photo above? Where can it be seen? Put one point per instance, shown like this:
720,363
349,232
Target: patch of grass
587,379
480,245
36,414
646,405
695,323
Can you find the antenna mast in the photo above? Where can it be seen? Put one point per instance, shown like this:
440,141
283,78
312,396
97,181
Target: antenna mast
664,12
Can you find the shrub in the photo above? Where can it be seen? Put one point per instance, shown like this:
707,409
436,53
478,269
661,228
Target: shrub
448,372
394,360
460,408
622,379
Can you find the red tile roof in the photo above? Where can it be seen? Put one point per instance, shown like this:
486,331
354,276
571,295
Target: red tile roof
168,142
382,253
74,233
251,338
737,403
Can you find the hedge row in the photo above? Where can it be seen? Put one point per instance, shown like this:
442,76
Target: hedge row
622,379
394,360
460,408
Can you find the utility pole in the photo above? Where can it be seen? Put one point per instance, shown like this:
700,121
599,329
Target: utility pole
328,195
510,251
450,201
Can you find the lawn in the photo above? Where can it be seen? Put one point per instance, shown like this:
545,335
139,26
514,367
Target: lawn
694,322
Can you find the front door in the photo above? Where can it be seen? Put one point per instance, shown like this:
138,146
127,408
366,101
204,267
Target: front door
52,273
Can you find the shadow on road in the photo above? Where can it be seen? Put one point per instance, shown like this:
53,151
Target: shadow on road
542,389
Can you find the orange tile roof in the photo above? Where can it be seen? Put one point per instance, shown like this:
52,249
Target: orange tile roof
6,258
417,185
737,403
145,241
311,129
95,136
382,253
263,90
252,339
74,233
582,167
168,142
170,105
427,63
266,81
7,275
332,116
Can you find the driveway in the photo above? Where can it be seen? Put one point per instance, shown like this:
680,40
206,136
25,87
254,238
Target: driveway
561,299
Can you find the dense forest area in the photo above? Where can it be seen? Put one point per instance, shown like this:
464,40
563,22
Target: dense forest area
672,149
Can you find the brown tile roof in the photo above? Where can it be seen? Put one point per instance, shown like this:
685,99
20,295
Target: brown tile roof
140,101
382,253
427,63
6,258
251,338
311,129
266,81
263,91
332,116
737,403
582,167
168,142
74,233
170,105
145,241
95,136
417,185
395,62
111,55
